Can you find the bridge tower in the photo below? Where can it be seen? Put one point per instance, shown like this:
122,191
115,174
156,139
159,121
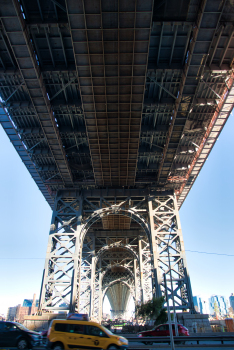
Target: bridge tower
117,243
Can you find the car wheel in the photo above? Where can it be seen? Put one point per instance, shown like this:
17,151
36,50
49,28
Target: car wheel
58,346
43,341
22,344
112,347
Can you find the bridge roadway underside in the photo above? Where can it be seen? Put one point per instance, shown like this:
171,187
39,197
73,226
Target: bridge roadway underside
111,102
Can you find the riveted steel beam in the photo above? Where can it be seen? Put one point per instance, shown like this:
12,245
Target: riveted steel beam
13,22
182,83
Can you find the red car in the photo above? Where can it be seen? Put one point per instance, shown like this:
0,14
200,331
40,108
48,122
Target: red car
163,331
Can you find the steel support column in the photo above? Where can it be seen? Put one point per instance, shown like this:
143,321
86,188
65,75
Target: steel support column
87,276
100,292
135,278
141,271
92,281
168,252
60,288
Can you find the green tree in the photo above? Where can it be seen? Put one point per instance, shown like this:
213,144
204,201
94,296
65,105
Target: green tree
216,310
152,310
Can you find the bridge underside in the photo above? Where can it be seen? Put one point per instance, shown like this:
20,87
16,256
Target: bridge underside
118,94
114,106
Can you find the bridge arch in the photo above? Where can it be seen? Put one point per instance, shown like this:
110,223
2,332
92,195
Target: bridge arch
120,307
112,210
118,281
115,245
117,265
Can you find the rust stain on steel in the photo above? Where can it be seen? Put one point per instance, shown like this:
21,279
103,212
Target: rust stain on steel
184,75
208,131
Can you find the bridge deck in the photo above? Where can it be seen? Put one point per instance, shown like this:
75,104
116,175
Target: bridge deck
97,94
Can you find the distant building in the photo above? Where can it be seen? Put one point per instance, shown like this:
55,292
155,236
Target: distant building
199,304
231,299
17,313
29,302
218,305
12,312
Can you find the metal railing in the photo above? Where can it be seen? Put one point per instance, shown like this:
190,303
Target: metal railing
183,340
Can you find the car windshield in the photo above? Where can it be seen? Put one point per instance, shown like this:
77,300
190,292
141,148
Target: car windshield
107,331
20,326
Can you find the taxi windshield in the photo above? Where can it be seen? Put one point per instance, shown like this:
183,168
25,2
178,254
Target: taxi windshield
107,331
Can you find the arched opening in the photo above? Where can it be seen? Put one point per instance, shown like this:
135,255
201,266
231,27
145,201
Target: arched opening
118,300
111,245
109,212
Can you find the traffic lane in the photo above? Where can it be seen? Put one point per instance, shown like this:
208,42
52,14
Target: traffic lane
190,340
187,347
157,347
189,344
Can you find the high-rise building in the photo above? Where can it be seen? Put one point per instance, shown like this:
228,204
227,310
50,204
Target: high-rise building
218,305
231,299
29,303
12,313
199,304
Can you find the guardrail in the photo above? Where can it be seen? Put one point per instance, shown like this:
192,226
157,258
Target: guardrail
182,340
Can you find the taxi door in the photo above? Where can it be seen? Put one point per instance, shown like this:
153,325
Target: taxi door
75,336
96,338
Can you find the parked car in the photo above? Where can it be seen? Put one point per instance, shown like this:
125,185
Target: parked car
44,338
162,331
15,334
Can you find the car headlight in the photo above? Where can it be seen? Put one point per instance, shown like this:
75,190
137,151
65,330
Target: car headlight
139,335
34,337
122,340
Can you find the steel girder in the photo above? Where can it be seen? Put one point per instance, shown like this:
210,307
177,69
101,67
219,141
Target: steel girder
82,267
17,34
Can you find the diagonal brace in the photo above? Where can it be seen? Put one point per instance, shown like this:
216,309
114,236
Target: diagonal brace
162,87
59,5
63,88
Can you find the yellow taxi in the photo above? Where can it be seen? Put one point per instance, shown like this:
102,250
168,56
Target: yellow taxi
81,334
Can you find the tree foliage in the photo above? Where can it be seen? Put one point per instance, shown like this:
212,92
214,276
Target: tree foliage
152,310
216,310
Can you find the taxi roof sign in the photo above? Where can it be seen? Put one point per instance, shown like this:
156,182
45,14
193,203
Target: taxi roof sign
77,317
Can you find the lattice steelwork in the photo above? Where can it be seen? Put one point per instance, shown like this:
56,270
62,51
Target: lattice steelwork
145,272
85,261
169,253
63,256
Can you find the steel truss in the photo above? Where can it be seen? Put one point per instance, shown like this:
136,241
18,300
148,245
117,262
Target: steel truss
84,262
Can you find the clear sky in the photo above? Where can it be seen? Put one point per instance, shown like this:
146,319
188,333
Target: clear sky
206,218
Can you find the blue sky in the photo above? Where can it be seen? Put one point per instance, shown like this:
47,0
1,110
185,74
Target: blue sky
206,218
